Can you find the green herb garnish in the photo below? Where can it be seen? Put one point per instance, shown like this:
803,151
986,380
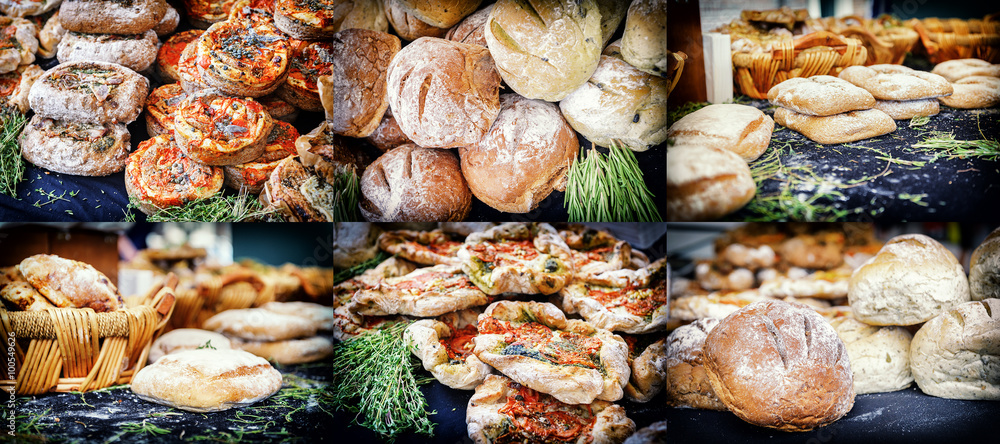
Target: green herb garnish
345,196
347,273
602,189
941,144
206,345
217,208
11,162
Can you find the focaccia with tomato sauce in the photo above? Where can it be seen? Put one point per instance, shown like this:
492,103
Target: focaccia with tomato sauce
534,344
504,411
517,258
15,86
392,267
168,57
310,60
624,300
19,43
423,247
425,292
444,346
161,105
219,130
241,59
160,175
205,13
252,175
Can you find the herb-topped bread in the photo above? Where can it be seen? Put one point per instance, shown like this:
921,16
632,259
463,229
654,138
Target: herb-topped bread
89,92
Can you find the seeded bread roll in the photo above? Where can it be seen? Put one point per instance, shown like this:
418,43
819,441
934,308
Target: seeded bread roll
136,52
954,355
909,281
780,365
89,92
880,356
820,96
705,183
407,26
545,49
742,129
411,183
80,149
644,44
186,339
355,96
838,128
955,70
908,109
688,384
111,17
984,268
974,92
896,82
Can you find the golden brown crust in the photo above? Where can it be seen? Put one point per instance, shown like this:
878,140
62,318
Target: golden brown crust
354,96
517,258
706,183
426,292
283,190
306,19
407,26
388,135
243,59
159,175
97,16
252,175
622,300
897,82
310,60
431,340
838,128
19,44
161,105
688,384
649,372
24,296
411,183
168,57
423,247
69,283
470,29
219,130
742,129
204,13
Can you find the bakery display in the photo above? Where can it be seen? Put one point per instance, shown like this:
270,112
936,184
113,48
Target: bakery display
649,367
744,130
169,54
203,13
820,96
309,62
252,175
68,283
161,106
20,44
519,258
408,26
623,300
951,354
902,92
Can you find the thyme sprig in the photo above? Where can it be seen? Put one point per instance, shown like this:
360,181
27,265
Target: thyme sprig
609,188
941,144
11,163
217,208
347,273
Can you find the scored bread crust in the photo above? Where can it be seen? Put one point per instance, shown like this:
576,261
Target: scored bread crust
161,107
974,92
415,246
207,380
645,285
136,52
780,365
649,372
291,351
306,19
705,183
425,292
984,268
260,325
354,95
820,96
68,283
470,29
897,82
488,419
412,183
443,94
186,339
407,26
688,384
235,132
525,155
424,338
567,383
243,59
742,129
955,70
26,8
309,61
954,355
838,128
111,17
169,55
159,175
80,149
545,273
908,109
252,175
89,92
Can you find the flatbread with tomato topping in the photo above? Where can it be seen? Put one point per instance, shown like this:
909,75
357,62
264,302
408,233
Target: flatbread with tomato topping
426,292
595,251
504,411
623,300
347,324
423,247
444,345
391,267
534,344
517,258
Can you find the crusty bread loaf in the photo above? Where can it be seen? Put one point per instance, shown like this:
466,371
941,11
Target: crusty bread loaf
80,149
364,14
880,356
411,183
440,13
908,109
984,268
260,325
68,283
744,130
780,365
89,92
954,354
958,69
186,339
292,351
388,135
114,17
407,26
974,92
135,52
705,183
443,94
525,155
838,128
24,296
687,381
547,49
207,380
470,30
644,43
355,95
909,281
896,82
819,96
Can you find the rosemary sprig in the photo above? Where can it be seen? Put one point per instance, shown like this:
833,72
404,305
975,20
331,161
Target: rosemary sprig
348,273
345,196
919,121
144,428
373,376
217,208
11,163
609,188
941,144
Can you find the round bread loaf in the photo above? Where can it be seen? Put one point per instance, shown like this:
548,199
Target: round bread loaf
780,365
955,354
111,17
880,356
388,135
186,339
219,130
136,52
322,315
819,96
243,58
619,102
958,69
909,281
525,155
292,351
260,325
354,243
252,175
896,82
545,49
161,105
838,128
440,13
984,268
407,26
207,380
687,381
411,183
705,183
644,43
908,109
470,30
974,92
355,95
80,149
443,94
89,92
364,14
742,129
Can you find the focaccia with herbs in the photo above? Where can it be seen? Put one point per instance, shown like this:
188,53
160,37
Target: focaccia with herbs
425,292
624,300
517,258
444,346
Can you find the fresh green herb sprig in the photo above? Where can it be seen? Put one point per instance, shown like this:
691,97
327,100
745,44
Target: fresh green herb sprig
609,188
374,376
11,163
217,208
345,196
941,144
348,273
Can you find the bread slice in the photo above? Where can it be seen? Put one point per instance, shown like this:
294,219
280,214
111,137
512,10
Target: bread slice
80,149
89,92
135,52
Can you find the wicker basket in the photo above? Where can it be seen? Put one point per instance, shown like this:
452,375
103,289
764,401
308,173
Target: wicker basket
675,66
887,40
951,39
72,349
234,290
818,53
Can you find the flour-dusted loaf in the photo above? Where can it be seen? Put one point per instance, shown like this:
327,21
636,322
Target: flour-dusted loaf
71,284
260,325
207,380
705,183
742,129
984,268
181,339
411,183
24,296
880,356
974,92
168,24
355,94
111,17
80,149
407,26
908,109
644,43
819,96
957,69
912,279
440,13
136,52
780,365
687,380
320,314
290,351
838,128
954,355
365,14
470,29
89,92
388,135
897,82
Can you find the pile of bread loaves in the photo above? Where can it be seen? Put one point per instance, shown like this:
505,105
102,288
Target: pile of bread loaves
794,367
433,106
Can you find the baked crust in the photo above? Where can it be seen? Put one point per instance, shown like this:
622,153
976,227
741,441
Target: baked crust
252,175
908,109
256,324
838,128
413,183
306,19
89,92
24,296
388,135
953,354
623,300
68,283
503,410
23,8
391,267
595,251
187,69
136,52
159,175
685,370
186,339
161,107
984,268
897,82
347,324
283,190
80,149
534,344
354,95
426,292
242,59
279,109
15,86
820,96
168,24
423,247
643,42
19,43
955,70
407,26
470,29
50,35
219,130
204,13
649,369
322,315
169,56
111,17
444,346
974,92
820,284
310,60
517,258
291,351
742,129
705,183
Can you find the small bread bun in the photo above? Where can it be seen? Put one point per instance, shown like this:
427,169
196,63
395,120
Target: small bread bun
136,52
706,183
897,82
161,105
688,384
955,70
243,59
80,149
169,56
984,268
407,26
252,175
525,155
159,175
290,351
742,129
439,13
363,14
355,95
443,94
908,109
909,281
470,30
820,96
838,128
257,324
780,365
644,43
115,17
880,356
219,130
309,61
954,355
414,184
90,92
974,92
187,70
